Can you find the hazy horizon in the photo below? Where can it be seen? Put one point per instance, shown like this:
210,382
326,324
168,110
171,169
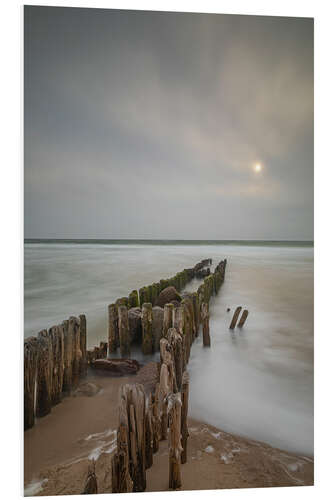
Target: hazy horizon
142,123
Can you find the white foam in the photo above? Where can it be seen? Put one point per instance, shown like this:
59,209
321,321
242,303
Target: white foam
34,487
209,449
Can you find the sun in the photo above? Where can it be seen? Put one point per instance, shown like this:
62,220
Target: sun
257,168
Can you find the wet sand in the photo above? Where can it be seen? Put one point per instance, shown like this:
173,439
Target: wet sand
58,449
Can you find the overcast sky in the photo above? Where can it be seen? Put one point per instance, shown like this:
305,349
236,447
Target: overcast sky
148,125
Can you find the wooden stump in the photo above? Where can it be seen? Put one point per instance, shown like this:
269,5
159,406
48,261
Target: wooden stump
133,299
175,447
184,428
30,380
235,318
147,328
243,318
168,318
124,337
113,332
205,324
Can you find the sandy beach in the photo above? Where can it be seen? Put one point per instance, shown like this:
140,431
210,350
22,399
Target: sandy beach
58,449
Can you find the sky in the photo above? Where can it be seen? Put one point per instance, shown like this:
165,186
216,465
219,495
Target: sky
149,125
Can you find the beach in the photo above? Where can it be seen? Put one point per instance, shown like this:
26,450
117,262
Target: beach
251,394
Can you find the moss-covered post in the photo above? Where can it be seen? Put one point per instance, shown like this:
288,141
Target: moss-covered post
133,299
124,336
147,328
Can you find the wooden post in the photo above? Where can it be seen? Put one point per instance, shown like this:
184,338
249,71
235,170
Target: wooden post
243,318
133,299
124,337
235,318
158,315
175,447
168,318
74,330
165,388
113,334
57,339
149,434
184,428
205,324
156,420
147,328
83,345
68,353
30,380
90,487
175,339
44,374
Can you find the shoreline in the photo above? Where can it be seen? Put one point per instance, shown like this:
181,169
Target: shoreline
58,448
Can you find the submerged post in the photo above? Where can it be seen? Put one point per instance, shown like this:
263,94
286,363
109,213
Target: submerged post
235,318
243,318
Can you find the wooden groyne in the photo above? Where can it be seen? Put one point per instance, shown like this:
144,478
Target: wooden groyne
146,419
54,362
57,359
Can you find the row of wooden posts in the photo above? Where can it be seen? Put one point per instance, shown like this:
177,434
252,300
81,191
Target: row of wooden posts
145,420
54,362
57,358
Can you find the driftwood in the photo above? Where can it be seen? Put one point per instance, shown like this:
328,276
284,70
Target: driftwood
184,429
113,332
167,295
90,487
124,338
175,447
147,328
243,318
235,317
205,324
117,366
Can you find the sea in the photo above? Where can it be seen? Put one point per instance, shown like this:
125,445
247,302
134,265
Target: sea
256,381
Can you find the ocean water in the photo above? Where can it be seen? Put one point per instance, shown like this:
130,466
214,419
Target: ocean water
258,381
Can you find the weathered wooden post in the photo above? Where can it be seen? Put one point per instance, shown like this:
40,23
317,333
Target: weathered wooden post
90,487
68,357
165,388
124,337
57,339
158,314
30,380
148,434
156,419
175,340
83,345
184,428
168,318
205,324
243,318
175,447
147,328
74,328
235,318
133,299
113,333
44,374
